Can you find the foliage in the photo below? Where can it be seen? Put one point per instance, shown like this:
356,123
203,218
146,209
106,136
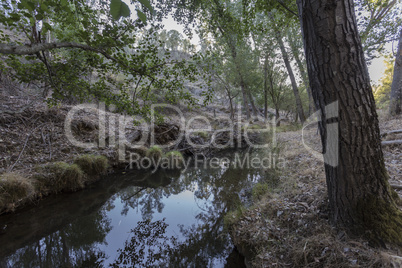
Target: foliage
97,50
383,90
379,22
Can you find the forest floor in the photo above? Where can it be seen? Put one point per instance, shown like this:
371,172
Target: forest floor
287,226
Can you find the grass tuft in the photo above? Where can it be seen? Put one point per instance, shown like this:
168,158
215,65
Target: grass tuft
92,165
175,159
154,153
60,176
259,190
13,188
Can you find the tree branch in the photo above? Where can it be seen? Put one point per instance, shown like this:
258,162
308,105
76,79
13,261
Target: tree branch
38,47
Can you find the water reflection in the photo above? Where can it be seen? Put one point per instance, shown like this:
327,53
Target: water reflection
136,219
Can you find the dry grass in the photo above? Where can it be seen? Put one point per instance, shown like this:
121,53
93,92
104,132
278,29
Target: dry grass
288,226
60,176
14,188
92,165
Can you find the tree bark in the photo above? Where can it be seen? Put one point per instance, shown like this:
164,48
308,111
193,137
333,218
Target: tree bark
242,83
255,111
295,52
266,88
299,105
395,104
359,194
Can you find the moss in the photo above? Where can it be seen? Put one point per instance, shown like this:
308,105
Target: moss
175,159
259,190
93,165
13,188
395,197
60,176
154,153
380,221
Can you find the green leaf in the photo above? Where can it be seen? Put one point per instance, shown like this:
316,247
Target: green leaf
39,17
147,4
142,16
44,7
47,26
119,9
28,5
64,2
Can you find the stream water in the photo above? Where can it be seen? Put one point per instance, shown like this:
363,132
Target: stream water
132,219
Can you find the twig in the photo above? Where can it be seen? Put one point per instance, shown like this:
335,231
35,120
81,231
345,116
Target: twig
395,186
140,190
391,132
19,156
391,142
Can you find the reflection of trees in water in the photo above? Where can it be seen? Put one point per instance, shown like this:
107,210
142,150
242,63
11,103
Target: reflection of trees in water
148,246
76,229
72,246
216,191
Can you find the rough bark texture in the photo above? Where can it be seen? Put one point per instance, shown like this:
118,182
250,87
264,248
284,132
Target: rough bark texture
395,104
360,198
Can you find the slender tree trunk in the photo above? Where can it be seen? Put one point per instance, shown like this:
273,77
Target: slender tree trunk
230,103
242,83
243,92
295,52
255,112
278,122
395,104
266,88
299,105
358,190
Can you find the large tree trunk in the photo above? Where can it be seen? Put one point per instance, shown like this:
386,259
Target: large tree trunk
358,190
395,104
299,105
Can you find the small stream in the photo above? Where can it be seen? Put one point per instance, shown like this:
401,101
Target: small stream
132,219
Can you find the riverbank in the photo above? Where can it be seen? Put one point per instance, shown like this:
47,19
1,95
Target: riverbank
287,225
46,150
